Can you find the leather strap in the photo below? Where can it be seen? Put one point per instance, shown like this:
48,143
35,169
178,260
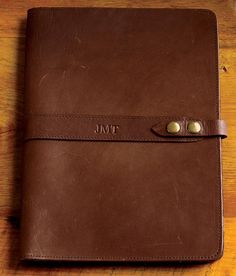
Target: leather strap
117,128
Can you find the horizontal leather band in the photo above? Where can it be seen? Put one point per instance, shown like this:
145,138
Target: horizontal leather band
117,128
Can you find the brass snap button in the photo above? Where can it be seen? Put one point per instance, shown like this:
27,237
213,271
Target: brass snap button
173,127
194,127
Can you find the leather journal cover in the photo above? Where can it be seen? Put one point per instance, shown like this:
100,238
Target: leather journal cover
122,143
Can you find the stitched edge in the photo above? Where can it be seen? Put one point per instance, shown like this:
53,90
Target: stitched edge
115,139
215,44
121,258
218,142
91,117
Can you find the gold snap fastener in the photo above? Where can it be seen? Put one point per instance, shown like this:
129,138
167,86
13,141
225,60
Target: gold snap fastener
173,127
194,127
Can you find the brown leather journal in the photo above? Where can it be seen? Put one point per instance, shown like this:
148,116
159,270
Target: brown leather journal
122,151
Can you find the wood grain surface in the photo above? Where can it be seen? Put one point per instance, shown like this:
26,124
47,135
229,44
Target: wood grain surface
12,43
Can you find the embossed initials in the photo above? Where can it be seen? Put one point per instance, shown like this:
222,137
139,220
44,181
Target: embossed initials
106,129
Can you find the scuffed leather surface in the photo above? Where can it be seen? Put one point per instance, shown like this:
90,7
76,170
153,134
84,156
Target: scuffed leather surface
124,201
116,128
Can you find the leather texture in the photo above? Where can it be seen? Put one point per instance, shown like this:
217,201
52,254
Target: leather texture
90,197
117,128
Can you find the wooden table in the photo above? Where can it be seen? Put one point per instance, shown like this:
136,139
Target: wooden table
12,41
